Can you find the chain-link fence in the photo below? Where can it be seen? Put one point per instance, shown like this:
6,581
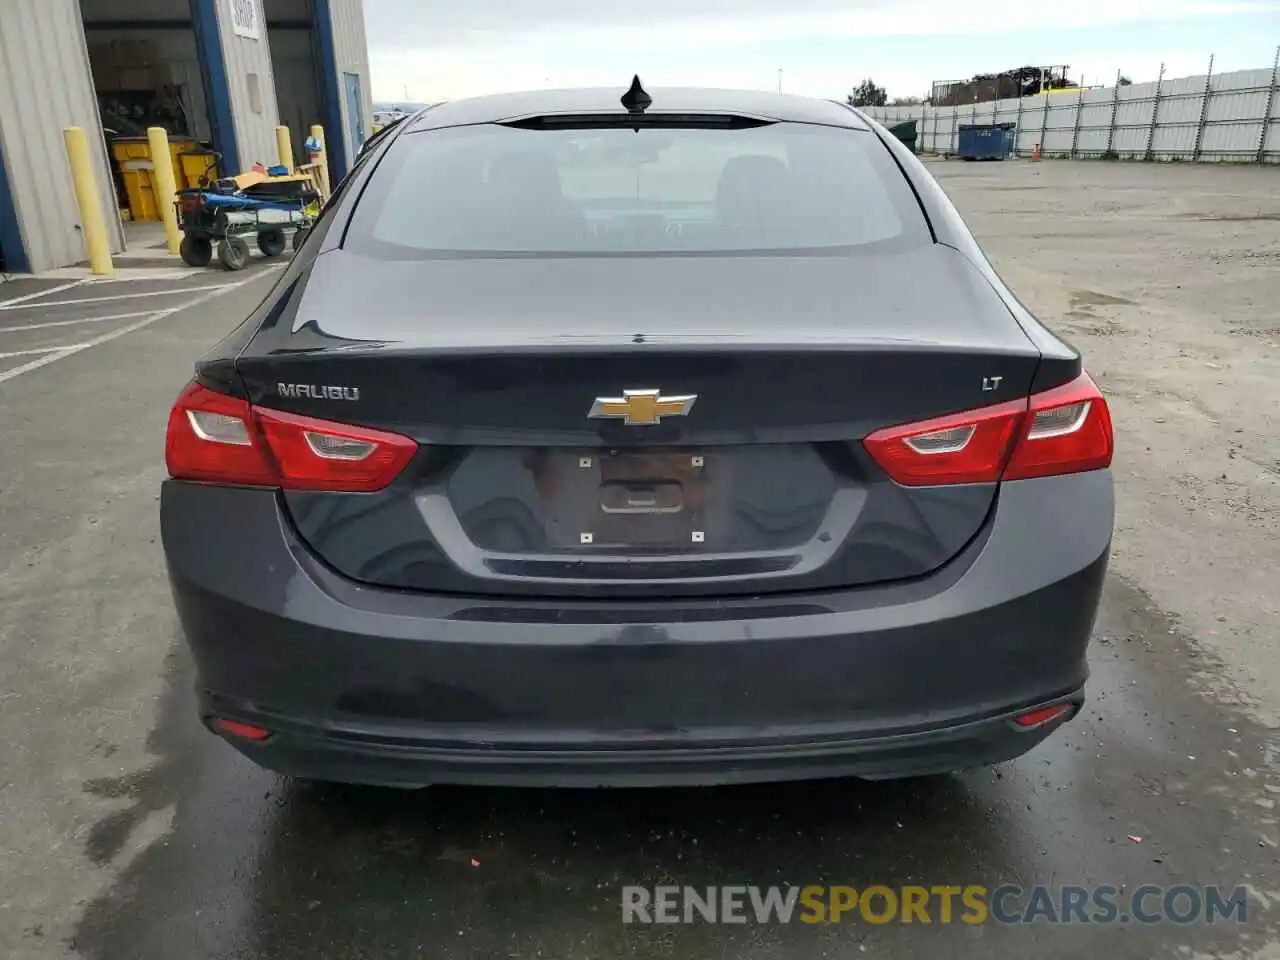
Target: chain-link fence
1227,117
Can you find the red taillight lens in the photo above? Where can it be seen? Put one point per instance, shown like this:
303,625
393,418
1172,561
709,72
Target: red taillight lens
970,447
1068,431
1063,430
320,455
214,438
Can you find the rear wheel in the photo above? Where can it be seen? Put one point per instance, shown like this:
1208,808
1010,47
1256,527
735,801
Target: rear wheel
234,253
196,251
300,237
271,243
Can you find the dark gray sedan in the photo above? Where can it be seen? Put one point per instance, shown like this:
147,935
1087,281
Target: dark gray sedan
682,437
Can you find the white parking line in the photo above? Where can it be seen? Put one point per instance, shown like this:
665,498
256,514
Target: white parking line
68,323
32,352
122,296
182,274
149,319
43,293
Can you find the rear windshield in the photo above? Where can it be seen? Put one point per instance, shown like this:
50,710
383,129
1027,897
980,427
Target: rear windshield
494,190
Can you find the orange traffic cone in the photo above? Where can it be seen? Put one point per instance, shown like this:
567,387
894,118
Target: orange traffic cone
1035,152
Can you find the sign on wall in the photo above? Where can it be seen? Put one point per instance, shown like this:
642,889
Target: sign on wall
246,18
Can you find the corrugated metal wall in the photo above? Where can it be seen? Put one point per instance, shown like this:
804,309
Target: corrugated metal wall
351,51
1218,117
253,88
45,85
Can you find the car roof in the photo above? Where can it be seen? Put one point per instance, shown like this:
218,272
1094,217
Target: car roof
497,108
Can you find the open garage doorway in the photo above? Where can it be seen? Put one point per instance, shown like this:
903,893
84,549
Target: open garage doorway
308,87
151,67
218,75
295,59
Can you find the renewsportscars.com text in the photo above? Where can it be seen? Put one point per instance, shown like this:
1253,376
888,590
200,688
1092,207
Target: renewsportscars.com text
971,904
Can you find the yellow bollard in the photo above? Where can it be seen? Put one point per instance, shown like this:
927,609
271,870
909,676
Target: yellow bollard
92,223
321,157
166,189
284,147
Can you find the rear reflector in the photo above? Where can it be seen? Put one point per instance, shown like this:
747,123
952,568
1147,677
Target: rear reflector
214,438
1035,718
240,730
1063,430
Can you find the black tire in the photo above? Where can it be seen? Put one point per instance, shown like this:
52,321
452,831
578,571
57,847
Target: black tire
300,237
234,253
196,251
271,243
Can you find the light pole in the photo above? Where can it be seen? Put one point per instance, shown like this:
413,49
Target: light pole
779,79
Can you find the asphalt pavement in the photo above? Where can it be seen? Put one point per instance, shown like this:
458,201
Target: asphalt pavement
129,832
41,319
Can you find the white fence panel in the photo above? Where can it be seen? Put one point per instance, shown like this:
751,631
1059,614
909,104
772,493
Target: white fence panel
1182,108
1272,147
1173,143
1133,113
1241,80
1227,116
1230,141
1138,91
1130,143
1227,106
1096,115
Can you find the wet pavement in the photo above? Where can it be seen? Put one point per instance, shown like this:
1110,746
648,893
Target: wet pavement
256,867
128,833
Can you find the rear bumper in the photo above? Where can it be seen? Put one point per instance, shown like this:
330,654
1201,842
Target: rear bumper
362,754
378,686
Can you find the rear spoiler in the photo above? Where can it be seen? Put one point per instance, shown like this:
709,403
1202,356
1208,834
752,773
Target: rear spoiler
636,121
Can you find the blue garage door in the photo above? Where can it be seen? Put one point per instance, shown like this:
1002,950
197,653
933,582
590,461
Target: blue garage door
13,258
355,111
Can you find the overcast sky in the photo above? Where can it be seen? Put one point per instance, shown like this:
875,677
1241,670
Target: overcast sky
445,49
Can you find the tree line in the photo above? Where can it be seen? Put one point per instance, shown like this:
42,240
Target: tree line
1022,82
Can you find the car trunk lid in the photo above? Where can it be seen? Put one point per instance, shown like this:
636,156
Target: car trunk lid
741,470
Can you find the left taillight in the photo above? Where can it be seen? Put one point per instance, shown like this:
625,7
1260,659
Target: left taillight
214,438
1063,430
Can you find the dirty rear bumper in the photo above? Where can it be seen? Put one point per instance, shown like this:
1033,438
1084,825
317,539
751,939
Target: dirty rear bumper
360,754
379,686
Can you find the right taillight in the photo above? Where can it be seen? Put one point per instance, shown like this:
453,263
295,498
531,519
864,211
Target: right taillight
1068,430
214,438
1063,430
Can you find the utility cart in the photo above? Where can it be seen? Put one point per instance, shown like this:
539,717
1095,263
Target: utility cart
228,212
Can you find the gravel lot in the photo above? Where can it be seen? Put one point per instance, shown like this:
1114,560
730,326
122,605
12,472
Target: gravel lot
127,832
1167,277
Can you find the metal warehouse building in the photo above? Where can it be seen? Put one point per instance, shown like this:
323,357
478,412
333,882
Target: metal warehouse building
226,72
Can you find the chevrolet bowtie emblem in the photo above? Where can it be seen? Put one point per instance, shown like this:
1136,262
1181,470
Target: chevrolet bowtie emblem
641,408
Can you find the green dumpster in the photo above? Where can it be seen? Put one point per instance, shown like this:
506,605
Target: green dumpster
906,132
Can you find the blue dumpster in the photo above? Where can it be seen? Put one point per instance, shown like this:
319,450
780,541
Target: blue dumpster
986,141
